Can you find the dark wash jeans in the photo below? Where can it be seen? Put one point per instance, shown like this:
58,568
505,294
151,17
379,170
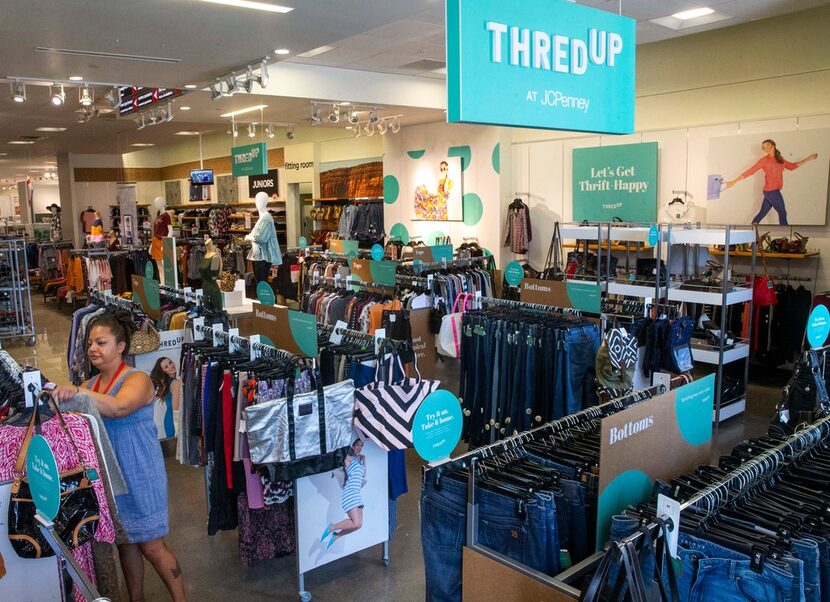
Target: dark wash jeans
711,572
579,347
529,536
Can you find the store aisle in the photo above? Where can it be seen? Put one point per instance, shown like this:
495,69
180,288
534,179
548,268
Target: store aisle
211,564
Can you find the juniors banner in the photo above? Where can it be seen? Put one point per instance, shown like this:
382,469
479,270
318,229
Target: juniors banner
165,372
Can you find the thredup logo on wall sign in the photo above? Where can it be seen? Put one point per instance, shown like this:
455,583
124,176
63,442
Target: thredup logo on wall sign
249,160
540,63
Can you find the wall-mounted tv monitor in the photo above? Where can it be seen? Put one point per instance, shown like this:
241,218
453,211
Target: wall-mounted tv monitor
201,177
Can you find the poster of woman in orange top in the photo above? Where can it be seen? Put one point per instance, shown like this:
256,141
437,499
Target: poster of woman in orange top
773,165
785,185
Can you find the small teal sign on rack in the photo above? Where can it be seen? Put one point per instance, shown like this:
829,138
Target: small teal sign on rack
43,476
818,326
513,273
303,243
265,294
436,429
377,252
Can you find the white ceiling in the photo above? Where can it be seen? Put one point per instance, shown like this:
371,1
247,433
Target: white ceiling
209,40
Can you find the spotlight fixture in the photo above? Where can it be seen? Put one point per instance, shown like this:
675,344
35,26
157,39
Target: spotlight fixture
395,126
315,115
289,132
215,91
373,116
139,121
18,92
113,97
58,97
334,116
251,130
370,129
234,131
85,97
248,84
264,78
382,125
231,84
169,117
358,131
353,117
269,131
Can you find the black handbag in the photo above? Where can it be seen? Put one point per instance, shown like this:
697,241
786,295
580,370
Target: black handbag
805,393
78,514
554,263
647,270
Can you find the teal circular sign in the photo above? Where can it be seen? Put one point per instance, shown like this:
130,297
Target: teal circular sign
44,478
149,269
303,243
513,273
399,232
265,293
818,326
436,429
417,266
653,235
377,252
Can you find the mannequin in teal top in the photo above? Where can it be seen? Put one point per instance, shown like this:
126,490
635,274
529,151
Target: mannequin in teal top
209,271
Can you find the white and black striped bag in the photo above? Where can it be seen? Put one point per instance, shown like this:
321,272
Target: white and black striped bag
385,410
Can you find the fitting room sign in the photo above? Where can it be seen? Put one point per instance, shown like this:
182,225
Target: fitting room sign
548,64
293,331
268,183
249,160
615,181
660,438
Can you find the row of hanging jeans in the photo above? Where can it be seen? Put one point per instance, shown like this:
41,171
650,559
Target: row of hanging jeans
770,541
521,368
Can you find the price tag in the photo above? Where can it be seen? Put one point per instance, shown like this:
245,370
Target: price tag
478,301
335,337
380,334
31,386
187,291
669,508
233,346
217,328
198,335
429,281
254,339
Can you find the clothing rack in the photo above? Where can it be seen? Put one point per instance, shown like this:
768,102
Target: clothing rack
182,294
262,348
453,263
781,277
109,299
91,252
539,307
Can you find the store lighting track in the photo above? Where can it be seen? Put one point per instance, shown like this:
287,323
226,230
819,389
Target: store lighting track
109,55
243,111
264,6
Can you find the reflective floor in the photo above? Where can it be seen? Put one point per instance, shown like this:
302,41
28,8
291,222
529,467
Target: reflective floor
211,564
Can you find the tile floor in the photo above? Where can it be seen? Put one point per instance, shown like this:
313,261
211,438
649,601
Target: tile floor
210,564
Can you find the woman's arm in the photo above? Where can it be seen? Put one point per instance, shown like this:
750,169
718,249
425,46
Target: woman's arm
746,174
136,391
812,157
175,392
347,461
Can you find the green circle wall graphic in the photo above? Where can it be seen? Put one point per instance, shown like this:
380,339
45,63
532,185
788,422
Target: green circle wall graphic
473,208
400,232
416,154
391,189
496,158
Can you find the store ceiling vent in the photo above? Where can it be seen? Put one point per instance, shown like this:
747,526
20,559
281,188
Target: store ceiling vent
424,65
109,55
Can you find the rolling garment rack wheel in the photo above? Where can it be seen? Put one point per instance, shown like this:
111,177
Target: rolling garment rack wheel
305,596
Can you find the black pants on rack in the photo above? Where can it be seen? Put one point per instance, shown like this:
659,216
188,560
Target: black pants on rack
261,270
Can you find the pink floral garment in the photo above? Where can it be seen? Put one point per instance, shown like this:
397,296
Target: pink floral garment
11,438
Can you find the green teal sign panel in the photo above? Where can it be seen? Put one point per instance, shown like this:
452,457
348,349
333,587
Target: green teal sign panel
548,64
615,181
265,294
249,160
44,478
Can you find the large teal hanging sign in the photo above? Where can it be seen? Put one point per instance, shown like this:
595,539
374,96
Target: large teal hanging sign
546,64
249,160
615,181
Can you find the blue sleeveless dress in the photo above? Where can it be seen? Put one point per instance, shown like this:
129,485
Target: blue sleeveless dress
143,510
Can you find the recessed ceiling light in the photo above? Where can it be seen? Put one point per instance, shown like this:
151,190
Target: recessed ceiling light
3,154
143,144
345,103
50,129
191,86
272,8
282,51
187,133
242,111
184,108
316,51
349,127
76,78
693,13
20,142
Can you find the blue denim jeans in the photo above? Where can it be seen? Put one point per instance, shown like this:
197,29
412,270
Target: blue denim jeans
580,345
807,550
524,536
824,567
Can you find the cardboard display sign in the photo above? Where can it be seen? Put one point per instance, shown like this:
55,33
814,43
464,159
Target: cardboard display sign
660,438
375,272
434,253
582,295
344,247
146,296
293,331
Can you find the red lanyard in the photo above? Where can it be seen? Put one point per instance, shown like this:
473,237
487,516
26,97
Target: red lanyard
112,380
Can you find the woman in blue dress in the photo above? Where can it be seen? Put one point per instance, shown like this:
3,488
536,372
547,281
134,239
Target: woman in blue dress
355,467
124,397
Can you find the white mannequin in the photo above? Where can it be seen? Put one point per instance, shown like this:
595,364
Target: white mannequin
264,246
162,207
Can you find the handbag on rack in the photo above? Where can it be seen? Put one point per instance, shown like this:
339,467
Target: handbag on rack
146,339
763,288
554,262
78,513
385,410
805,393
227,282
301,435
449,337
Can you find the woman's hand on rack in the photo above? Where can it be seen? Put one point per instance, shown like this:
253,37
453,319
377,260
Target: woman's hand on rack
63,393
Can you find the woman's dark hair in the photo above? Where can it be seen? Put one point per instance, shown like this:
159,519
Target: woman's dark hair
120,323
443,163
161,380
778,156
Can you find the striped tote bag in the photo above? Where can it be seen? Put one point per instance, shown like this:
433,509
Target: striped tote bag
385,410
